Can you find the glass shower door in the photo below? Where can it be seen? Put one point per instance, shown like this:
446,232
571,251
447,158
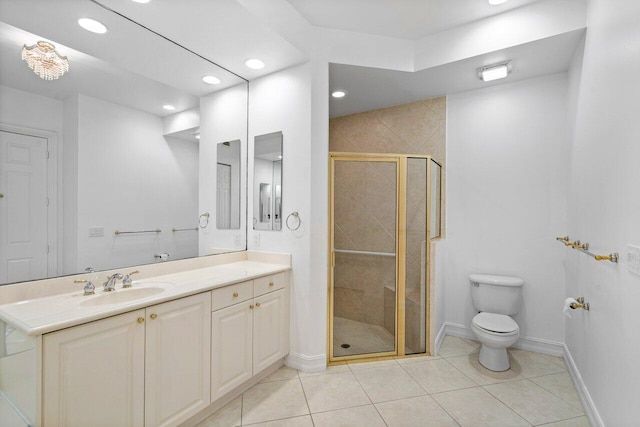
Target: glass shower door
364,239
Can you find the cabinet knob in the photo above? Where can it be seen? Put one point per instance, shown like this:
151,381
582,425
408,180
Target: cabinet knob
235,295
140,319
251,307
270,283
257,304
153,316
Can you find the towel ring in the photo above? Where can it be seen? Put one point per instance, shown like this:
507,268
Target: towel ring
206,220
296,216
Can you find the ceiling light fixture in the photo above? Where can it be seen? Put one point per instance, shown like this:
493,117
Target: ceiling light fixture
254,64
339,93
43,59
168,107
494,72
496,2
211,80
197,135
92,25
142,1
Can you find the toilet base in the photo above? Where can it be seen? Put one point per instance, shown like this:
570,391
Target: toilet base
494,359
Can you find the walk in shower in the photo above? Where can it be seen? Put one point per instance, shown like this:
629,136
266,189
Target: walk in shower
384,211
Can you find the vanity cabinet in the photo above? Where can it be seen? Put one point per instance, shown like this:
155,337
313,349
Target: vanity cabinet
250,331
147,367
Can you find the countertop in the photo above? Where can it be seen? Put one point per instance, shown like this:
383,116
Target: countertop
43,315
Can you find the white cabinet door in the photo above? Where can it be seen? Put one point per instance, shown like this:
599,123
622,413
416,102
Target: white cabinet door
178,360
93,374
270,330
231,360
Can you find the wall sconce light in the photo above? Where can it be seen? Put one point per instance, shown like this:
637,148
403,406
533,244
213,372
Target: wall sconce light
494,72
43,59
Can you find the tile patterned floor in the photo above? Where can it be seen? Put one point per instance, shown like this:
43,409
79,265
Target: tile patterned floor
450,390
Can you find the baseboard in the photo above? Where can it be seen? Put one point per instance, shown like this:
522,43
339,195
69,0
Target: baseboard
552,348
587,403
306,363
439,340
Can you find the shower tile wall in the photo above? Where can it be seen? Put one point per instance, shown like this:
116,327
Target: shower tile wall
415,128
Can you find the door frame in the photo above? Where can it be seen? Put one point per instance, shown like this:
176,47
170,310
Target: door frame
401,171
54,194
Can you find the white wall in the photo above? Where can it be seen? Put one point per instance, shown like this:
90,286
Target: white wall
131,178
507,154
283,102
604,210
223,117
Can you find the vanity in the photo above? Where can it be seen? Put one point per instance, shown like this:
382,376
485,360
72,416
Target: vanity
155,354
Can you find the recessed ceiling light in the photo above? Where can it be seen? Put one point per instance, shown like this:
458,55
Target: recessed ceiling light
496,2
168,107
142,1
280,156
339,93
211,80
197,136
494,72
254,64
92,25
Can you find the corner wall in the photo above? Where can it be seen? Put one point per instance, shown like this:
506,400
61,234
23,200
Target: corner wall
282,101
507,153
604,210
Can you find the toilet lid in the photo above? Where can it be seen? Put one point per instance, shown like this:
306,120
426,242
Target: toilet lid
495,322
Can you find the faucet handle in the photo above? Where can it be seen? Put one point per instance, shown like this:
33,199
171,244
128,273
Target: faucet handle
126,282
89,289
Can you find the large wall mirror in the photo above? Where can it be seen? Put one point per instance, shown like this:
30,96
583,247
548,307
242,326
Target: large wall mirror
267,182
130,157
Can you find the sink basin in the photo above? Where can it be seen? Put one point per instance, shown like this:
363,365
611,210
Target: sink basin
125,295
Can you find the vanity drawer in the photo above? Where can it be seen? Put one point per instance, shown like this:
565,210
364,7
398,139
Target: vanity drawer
230,295
267,284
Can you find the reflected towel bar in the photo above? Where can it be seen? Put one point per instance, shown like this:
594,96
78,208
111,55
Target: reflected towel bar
118,232
184,229
346,251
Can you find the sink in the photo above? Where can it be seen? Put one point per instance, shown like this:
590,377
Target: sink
125,295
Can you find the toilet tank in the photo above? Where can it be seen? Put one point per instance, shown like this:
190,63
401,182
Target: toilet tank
496,294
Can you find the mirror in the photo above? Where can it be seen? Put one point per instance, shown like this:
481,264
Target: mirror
96,173
267,182
228,186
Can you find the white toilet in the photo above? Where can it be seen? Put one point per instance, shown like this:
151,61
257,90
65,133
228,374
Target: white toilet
496,298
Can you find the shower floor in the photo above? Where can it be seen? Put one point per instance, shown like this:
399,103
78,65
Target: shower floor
362,338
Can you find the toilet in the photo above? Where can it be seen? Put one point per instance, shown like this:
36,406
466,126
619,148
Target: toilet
496,298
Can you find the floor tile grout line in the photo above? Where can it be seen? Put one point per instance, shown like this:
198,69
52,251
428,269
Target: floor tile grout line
581,408
445,410
512,409
340,409
277,419
304,393
465,375
566,419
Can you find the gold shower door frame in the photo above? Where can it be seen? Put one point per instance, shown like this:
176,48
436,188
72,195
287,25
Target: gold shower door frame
401,161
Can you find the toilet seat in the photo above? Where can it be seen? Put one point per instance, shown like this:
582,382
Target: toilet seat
498,324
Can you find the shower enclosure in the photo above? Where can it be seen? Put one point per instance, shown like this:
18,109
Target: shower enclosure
384,210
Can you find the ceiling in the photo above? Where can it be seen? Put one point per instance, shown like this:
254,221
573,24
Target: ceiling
375,88
404,19
282,33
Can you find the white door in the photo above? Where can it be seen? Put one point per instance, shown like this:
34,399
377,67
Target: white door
23,207
269,330
231,358
223,197
93,374
177,360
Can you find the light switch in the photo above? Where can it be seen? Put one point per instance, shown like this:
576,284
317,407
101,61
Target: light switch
633,259
96,231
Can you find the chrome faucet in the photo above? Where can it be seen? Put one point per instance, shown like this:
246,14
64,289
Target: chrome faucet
110,284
